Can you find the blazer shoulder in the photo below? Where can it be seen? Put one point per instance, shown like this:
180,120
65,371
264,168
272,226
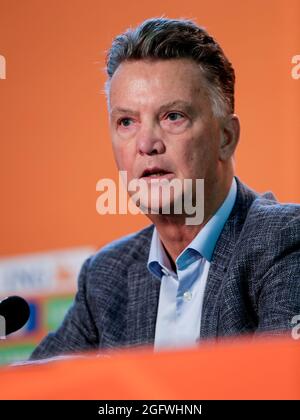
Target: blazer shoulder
269,220
265,212
126,249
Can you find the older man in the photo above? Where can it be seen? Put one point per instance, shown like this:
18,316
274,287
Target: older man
170,94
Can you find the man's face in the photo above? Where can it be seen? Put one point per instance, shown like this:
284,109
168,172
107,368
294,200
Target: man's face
161,117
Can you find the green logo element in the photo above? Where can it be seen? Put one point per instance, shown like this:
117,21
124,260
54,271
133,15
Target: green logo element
15,353
55,311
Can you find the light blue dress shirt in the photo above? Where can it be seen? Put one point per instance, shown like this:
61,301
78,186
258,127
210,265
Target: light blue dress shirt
181,294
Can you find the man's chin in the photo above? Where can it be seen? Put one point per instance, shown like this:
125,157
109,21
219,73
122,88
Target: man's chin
166,207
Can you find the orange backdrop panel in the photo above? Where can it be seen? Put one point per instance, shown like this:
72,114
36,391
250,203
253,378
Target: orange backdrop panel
54,135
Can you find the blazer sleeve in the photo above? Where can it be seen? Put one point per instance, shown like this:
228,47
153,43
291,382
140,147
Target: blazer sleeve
77,331
279,299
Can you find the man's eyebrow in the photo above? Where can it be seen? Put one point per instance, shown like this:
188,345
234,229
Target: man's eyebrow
164,107
180,103
119,110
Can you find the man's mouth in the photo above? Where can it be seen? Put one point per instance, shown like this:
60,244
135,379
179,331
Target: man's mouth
156,173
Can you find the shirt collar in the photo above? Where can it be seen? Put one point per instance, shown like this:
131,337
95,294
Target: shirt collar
202,245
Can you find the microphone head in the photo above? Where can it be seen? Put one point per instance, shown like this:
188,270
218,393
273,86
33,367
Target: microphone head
15,312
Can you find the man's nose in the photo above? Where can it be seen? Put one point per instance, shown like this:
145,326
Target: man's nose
150,140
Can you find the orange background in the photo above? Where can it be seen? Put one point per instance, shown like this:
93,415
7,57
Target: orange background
54,135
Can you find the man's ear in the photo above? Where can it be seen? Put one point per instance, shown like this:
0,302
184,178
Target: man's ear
230,134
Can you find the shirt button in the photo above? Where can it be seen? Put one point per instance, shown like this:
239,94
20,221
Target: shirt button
187,296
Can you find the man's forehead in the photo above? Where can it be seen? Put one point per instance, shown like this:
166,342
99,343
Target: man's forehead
161,107
142,82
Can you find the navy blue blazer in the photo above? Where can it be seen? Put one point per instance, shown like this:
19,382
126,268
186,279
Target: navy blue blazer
253,283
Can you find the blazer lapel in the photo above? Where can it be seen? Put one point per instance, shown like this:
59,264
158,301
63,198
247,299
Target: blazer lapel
221,259
143,296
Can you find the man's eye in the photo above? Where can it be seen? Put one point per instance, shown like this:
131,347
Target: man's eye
174,116
125,122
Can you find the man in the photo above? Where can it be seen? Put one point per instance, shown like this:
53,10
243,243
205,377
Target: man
170,93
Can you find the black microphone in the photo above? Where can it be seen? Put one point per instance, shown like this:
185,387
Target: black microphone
15,312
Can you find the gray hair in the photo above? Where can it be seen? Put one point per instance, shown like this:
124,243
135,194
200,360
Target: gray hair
161,39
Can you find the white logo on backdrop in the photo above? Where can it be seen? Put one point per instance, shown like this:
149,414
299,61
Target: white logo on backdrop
42,273
2,67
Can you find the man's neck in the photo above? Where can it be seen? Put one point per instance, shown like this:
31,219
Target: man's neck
176,235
